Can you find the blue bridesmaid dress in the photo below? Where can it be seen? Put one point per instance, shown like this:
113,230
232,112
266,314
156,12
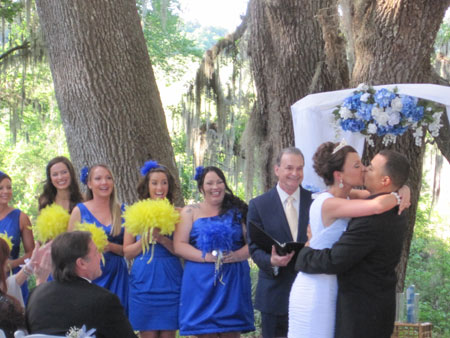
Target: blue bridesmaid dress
11,225
115,271
213,302
154,296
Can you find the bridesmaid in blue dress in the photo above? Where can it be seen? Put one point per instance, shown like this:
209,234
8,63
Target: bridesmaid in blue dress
17,225
154,295
216,289
102,209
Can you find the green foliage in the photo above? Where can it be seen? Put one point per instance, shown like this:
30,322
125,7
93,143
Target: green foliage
206,37
168,46
25,161
9,9
429,267
443,35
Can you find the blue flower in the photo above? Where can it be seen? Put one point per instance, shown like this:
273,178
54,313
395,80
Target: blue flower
353,102
218,235
198,172
149,165
409,103
384,97
84,174
365,111
383,130
415,113
384,113
353,125
399,130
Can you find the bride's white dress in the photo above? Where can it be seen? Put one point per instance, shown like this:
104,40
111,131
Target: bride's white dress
312,302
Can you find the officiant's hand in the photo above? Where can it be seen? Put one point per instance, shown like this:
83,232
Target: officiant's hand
277,260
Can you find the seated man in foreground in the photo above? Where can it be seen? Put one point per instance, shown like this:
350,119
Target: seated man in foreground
71,300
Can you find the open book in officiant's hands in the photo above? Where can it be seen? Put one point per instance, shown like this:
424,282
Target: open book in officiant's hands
266,241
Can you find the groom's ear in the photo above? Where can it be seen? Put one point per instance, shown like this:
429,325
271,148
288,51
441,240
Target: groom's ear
386,181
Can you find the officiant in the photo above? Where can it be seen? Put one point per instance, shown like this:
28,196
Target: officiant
282,212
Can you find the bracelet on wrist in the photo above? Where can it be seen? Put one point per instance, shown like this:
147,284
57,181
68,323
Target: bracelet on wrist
397,196
27,271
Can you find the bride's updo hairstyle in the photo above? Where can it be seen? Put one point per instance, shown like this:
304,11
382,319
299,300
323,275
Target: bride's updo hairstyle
327,160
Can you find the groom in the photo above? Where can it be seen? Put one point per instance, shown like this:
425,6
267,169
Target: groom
365,257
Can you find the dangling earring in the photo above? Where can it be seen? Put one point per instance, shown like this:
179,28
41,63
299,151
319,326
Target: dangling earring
341,184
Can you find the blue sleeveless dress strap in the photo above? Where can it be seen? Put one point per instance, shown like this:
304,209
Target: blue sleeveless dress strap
154,296
214,302
10,224
114,271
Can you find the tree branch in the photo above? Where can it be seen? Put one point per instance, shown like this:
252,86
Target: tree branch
25,45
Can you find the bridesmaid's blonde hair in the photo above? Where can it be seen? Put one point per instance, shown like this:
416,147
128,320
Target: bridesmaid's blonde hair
114,206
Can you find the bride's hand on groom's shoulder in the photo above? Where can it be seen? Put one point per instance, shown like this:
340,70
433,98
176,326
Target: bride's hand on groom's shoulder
405,198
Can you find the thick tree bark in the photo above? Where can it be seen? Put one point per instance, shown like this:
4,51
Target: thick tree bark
105,87
393,44
289,60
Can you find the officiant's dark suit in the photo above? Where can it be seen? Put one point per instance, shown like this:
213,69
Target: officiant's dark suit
365,257
267,210
71,300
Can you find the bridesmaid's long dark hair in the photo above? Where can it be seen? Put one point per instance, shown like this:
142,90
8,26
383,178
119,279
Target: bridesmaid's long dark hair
230,201
49,194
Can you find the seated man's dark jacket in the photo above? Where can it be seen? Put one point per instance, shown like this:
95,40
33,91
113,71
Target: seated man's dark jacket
364,259
54,307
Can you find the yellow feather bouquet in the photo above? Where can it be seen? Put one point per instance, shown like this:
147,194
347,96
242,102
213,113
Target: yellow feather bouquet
99,236
7,239
141,218
52,221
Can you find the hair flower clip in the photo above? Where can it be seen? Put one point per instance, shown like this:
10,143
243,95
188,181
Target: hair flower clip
149,165
341,145
198,172
84,174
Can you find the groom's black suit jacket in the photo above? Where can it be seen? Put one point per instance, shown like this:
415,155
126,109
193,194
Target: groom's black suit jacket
54,307
364,259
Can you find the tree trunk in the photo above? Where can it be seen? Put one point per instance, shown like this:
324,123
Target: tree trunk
288,53
393,44
105,88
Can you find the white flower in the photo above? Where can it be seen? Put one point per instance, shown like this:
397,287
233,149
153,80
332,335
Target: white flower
388,139
75,332
364,97
380,116
434,129
437,115
370,141
396,104
345,113
402,111
372,128
362,87
418,141
394,118
418,133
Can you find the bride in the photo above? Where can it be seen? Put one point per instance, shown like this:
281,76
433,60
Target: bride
312,302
